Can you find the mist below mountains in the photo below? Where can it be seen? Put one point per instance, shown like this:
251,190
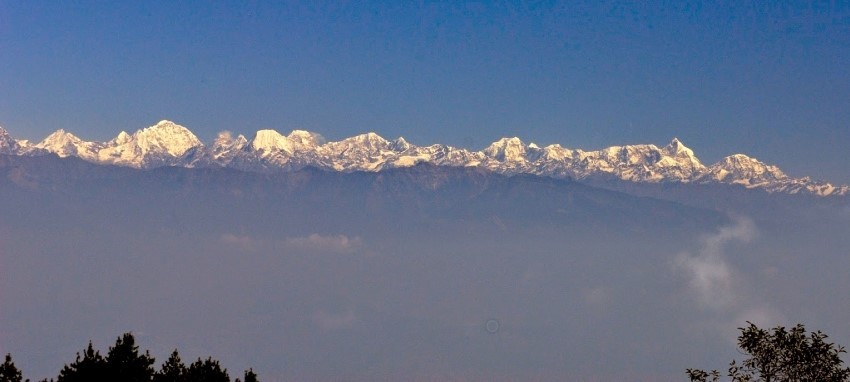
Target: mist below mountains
421,272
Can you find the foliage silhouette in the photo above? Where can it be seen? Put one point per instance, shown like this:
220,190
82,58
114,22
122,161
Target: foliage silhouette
9,372
779,355
249,376
207,370
88,367
173,370
124,362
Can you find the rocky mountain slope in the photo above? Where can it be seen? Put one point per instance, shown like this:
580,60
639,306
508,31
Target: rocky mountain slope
169,144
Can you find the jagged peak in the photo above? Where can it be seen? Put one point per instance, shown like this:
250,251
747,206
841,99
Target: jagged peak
269,139
557,152
61,133
746,166
8,145
400,144
58,138
742,161
167,143
677,147
370,136
369,140
165,125
174,138
739,158
508,141
268,133
504,142
506,149
121,138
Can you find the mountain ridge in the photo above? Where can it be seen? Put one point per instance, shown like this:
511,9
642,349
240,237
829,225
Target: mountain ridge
169,144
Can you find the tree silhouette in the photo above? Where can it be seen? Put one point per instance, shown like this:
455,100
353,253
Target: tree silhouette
88,367
250,376
207,370
124,363
779,355
9,372
173,370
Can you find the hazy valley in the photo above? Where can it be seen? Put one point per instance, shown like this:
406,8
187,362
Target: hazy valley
317,274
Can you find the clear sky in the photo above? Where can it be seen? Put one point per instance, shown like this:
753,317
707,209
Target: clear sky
772,81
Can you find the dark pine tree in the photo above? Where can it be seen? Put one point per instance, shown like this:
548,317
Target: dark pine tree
250,376
207,370
124,363
88,367
173,370
9,372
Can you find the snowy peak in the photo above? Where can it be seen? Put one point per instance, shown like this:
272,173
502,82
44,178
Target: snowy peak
271,143
166,136
678,149
59,136
676,146
8,145
364,152
163,144
64,144
369,144
507,150
169,144
270,140
557,153
371,141
400,144
741,169
120,139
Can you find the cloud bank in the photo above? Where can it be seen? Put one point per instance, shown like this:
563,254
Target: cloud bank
719,287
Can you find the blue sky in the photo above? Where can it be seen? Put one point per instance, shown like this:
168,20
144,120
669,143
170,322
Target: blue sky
772,81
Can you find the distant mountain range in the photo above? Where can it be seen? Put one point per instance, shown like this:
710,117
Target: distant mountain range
368,259
169,144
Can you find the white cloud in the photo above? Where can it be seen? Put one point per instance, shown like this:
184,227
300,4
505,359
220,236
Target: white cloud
710,278
329,243
709,274
720,289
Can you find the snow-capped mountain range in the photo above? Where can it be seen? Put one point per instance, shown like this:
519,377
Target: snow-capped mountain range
169,144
